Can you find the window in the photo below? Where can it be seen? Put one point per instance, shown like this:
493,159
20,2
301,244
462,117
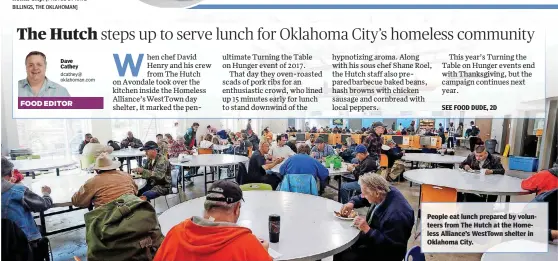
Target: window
52,138
145,130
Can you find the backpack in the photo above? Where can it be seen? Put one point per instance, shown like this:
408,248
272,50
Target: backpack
475,131
124,229
113,144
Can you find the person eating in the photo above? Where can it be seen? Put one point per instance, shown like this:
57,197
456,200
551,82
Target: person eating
386,228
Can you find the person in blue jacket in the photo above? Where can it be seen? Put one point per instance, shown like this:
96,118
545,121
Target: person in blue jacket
387,226
302,163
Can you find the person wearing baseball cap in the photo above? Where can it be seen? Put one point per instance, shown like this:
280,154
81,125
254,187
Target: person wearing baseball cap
215,236
365,164
321,149
157,172
281,151
374,140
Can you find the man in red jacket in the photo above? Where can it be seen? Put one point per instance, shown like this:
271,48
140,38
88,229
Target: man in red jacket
216,236
542,181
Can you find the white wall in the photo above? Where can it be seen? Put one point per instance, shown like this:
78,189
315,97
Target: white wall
319,123
275,125
497,132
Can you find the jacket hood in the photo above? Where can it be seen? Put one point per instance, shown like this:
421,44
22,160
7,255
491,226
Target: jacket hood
6,185
205,237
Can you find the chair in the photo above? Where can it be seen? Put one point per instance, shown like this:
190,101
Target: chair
431,193
300,183
415,254
22,157
255,186
205,151
35,156
86,161
383,161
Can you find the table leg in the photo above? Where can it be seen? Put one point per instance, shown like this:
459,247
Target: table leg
508,198
339,189
181,173
129,167
57,171
43,223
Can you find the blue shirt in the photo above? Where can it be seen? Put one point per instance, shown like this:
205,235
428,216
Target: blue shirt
49,89
304,164
222,134
328,150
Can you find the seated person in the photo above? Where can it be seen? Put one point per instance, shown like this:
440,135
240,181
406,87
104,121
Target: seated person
108,185
281,150
18,202
394,154
544,180
348,150
206,143
258,167
94,148
321,150
292,143
387,226
157,172
223,134
366,164
130,142
302,163
215,236
163,145
310,141
481,159
215,140
178,147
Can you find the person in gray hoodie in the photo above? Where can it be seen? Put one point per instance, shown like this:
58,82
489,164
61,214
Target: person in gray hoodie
18,202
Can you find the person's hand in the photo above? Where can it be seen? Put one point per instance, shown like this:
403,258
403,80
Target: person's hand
554,234
347,208
350,167
488,171
278,160
467,167
46,190
264,243
361,224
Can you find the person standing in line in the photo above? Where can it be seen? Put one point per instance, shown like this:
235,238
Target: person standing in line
374,140
451,136
441,133
249,125
459,133
473,136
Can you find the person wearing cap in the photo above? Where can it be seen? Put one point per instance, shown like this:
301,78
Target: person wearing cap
321,149
302,163
18,202
157,172
190,135
374,140
258,167
281,150
216,235
366,164
108,185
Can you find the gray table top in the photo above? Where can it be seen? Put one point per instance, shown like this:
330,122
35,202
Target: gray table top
127,153
467,182
332,172
304,218
41,164
551,255
433,158
210,160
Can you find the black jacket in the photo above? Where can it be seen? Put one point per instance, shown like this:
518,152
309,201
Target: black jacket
365,166
492,163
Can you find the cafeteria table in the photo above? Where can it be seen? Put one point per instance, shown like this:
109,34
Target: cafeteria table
304,219
32,165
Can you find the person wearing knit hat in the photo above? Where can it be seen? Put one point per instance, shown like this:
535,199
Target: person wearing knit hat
109,184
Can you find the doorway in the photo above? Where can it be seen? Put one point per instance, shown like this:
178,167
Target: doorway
485,126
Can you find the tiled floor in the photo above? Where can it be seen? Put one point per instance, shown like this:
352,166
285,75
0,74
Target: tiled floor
67,245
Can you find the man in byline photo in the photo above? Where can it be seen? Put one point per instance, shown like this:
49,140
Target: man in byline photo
37,84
